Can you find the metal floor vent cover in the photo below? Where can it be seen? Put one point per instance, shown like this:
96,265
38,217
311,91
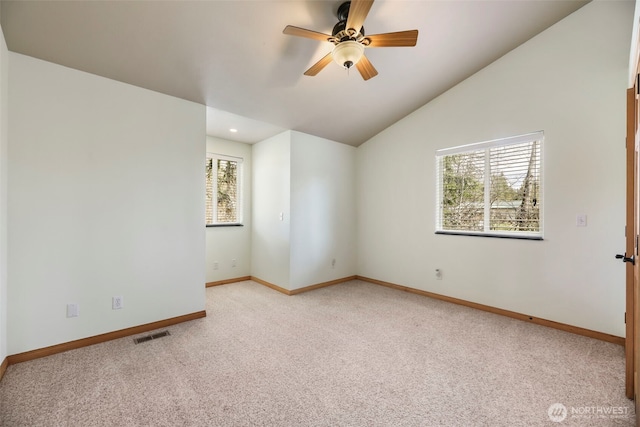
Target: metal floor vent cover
151,337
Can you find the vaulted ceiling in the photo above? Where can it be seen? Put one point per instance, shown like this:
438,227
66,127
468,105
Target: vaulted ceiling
233,57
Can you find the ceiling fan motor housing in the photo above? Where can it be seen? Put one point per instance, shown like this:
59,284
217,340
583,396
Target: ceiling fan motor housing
339,30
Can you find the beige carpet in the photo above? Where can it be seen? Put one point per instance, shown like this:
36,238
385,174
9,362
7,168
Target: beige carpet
353,354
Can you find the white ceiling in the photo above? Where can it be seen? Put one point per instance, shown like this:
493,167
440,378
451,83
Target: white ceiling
232,56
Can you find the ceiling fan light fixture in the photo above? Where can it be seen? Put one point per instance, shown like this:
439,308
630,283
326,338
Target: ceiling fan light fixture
347,53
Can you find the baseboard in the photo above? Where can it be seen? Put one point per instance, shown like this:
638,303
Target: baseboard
227,281
321,285
271,285
84,342
524,317
3,367
305,289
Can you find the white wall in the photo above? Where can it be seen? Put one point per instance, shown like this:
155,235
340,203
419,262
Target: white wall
569,82
311,182
270,245
4,80
105,198
323,221
227,243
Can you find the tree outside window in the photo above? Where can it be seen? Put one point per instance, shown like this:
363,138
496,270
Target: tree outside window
491,188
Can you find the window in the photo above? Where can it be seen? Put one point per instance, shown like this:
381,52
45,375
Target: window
223,185
492,188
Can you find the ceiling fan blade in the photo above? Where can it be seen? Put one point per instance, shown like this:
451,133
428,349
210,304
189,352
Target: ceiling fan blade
358,11
301,32
399,39
367,70
318,66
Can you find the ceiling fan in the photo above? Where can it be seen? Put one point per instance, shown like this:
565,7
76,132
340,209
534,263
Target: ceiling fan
349,39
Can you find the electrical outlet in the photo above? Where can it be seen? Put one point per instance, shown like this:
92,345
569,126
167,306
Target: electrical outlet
333,263
438,274
73,310
581,220
117,303
215,265
233,263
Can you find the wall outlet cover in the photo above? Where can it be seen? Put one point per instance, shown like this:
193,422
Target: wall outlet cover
581,220
73,310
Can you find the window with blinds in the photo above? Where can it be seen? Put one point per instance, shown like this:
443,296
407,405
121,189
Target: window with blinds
223,190
492,188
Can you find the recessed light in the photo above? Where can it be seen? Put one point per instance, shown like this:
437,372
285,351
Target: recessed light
233,130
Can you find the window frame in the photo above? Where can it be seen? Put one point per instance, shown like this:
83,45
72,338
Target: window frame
486,146
239,189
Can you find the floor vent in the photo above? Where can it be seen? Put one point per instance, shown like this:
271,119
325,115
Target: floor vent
151,337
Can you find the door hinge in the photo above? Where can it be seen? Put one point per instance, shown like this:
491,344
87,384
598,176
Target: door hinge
625,317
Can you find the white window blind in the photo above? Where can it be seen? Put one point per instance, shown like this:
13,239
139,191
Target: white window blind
223,190
492,188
